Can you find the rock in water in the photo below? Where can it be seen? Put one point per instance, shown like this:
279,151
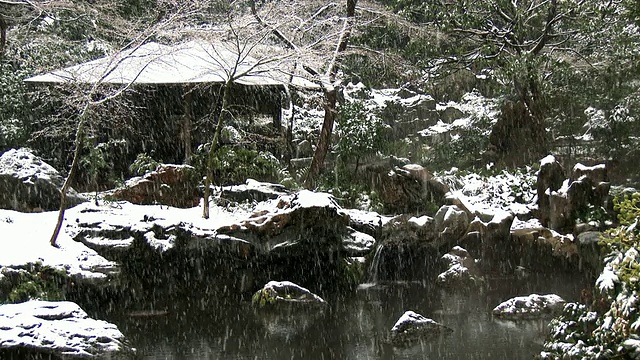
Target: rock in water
533,306
285,292
29,184
462,272
412,327
59,328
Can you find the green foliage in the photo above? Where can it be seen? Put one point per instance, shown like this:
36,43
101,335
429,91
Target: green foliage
463,148
37,282
234,165
592,214
39,45
602,332
625,236
574,325
143,164
360,132
628,209
263,298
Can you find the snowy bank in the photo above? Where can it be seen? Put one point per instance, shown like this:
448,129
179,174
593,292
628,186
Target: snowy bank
57,328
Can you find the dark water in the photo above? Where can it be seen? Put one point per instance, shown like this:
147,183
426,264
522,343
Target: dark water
352,327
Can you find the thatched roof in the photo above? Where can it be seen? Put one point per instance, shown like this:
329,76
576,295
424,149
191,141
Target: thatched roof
193,62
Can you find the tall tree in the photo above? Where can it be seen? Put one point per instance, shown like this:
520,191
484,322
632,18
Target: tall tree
515,42
244,41
86,101
326,79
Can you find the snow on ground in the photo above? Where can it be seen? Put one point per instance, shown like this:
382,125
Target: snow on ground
61,327
25,239
26,235
474,106
492,194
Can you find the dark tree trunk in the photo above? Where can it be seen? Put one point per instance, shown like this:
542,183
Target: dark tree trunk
319,156
331,98
70,178
226,98
3,34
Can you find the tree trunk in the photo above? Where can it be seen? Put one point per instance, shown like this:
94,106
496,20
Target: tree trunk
67,183
331,97
3,34
226,94
319,156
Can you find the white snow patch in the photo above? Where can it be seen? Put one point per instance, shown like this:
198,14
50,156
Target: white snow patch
530,306
421,221
59,326
607,279
307,199
549,159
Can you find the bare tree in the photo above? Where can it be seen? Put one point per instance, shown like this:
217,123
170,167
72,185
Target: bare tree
327,80
244,42
88,100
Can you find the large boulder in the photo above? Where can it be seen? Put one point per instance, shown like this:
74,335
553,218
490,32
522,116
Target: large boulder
285,292
305,221
29,184
462,271
540,247
410,188
408,249
550,178
412,327
58,329
451,223
169,184
562,202
533,306
252,190
490,239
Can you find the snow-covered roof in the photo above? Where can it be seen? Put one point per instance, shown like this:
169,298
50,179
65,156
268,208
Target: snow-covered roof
187,63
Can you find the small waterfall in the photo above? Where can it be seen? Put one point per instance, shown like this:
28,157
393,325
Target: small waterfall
374,268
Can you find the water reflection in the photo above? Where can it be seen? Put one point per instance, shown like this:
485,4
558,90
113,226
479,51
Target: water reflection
352,327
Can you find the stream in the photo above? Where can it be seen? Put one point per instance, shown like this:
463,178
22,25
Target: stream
351,327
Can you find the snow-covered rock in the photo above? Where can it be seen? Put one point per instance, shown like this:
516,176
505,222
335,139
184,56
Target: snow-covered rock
356,243
409,188
562,201
169,184
451,222
252,190
58,328
530,307
412,327
285,292
462,272
368,222
304,221
550,178
304,149
29,184
25,239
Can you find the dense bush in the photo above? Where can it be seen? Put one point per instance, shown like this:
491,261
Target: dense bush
37,281
234,165
609,326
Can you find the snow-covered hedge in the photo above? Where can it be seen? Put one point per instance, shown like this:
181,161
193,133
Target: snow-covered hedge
609,325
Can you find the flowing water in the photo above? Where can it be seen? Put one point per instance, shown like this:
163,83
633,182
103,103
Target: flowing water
352,327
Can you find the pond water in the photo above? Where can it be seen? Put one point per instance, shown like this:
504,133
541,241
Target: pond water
352,327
